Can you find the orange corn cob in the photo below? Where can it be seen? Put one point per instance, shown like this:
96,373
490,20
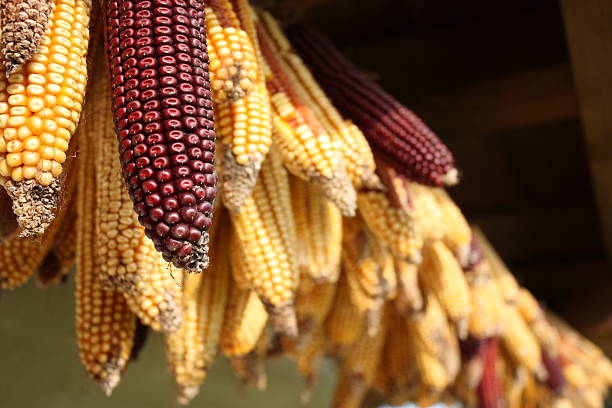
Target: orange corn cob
344,322
409,298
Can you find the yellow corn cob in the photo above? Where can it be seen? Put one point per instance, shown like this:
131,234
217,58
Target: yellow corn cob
409,298
320,225
21,257
251,367
359,367
485,319
191,349
126,257
244,322
305,147
519,341
457,231
244,131
233,67
441,274
528,306
356,152
426,211
370,275
312,305
266,235
436,341
391,225
344,322
105,325
506,282
308,357
248,21
40,106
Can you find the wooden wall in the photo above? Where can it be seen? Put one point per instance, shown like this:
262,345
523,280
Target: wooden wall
497,86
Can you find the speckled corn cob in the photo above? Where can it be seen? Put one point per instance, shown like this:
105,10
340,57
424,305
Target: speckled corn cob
244,128
391,225
233,65
104,323
359,367
319,223
441,274
191,350
305,147
395,132
125,257
266,234
244,322
23,25
164,121
40,104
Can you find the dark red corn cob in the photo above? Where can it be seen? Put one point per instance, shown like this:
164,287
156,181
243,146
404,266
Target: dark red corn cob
489,391
396,134
164,121
555,380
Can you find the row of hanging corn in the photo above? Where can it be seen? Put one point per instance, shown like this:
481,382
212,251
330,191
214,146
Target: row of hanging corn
333,235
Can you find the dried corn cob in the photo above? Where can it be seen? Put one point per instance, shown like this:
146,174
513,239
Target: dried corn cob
266,235
519,341
426,211
233,66
164,122
457,231
358,157
409,298
251,367
485,319
320,225
191,350
15,268
359,366
244,128
344,322
441,274
489,391
126,257
306,149
555,379
395,132
104,323
40,104
23,25
312,305
308,357
244,322
391,225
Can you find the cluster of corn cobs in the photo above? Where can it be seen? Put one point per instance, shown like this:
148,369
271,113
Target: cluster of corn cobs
321,245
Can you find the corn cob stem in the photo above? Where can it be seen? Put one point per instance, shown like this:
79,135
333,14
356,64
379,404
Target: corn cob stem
23,24
165,125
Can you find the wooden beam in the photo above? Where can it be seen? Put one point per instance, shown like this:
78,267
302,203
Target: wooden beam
588,25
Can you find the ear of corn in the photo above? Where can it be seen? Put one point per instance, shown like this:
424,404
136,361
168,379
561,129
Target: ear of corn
489,391
359,366
391,225
127,259
104,323
164,122
244,128
244,322
312,305
266,234
485,319
396,133
233,67
409,298
519,341
191,349
344,322
40,104
441,274
308,357
319,224
457,231
307,149
251,367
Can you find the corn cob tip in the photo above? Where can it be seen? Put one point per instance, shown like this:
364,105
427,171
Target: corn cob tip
236,181
194,262
462,325
112,377
33,205
451,177
340,191
283,320
185,394
251,369
8,222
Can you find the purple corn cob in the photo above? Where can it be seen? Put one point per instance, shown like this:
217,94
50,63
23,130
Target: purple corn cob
164,121
555,379
489,391
396,134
